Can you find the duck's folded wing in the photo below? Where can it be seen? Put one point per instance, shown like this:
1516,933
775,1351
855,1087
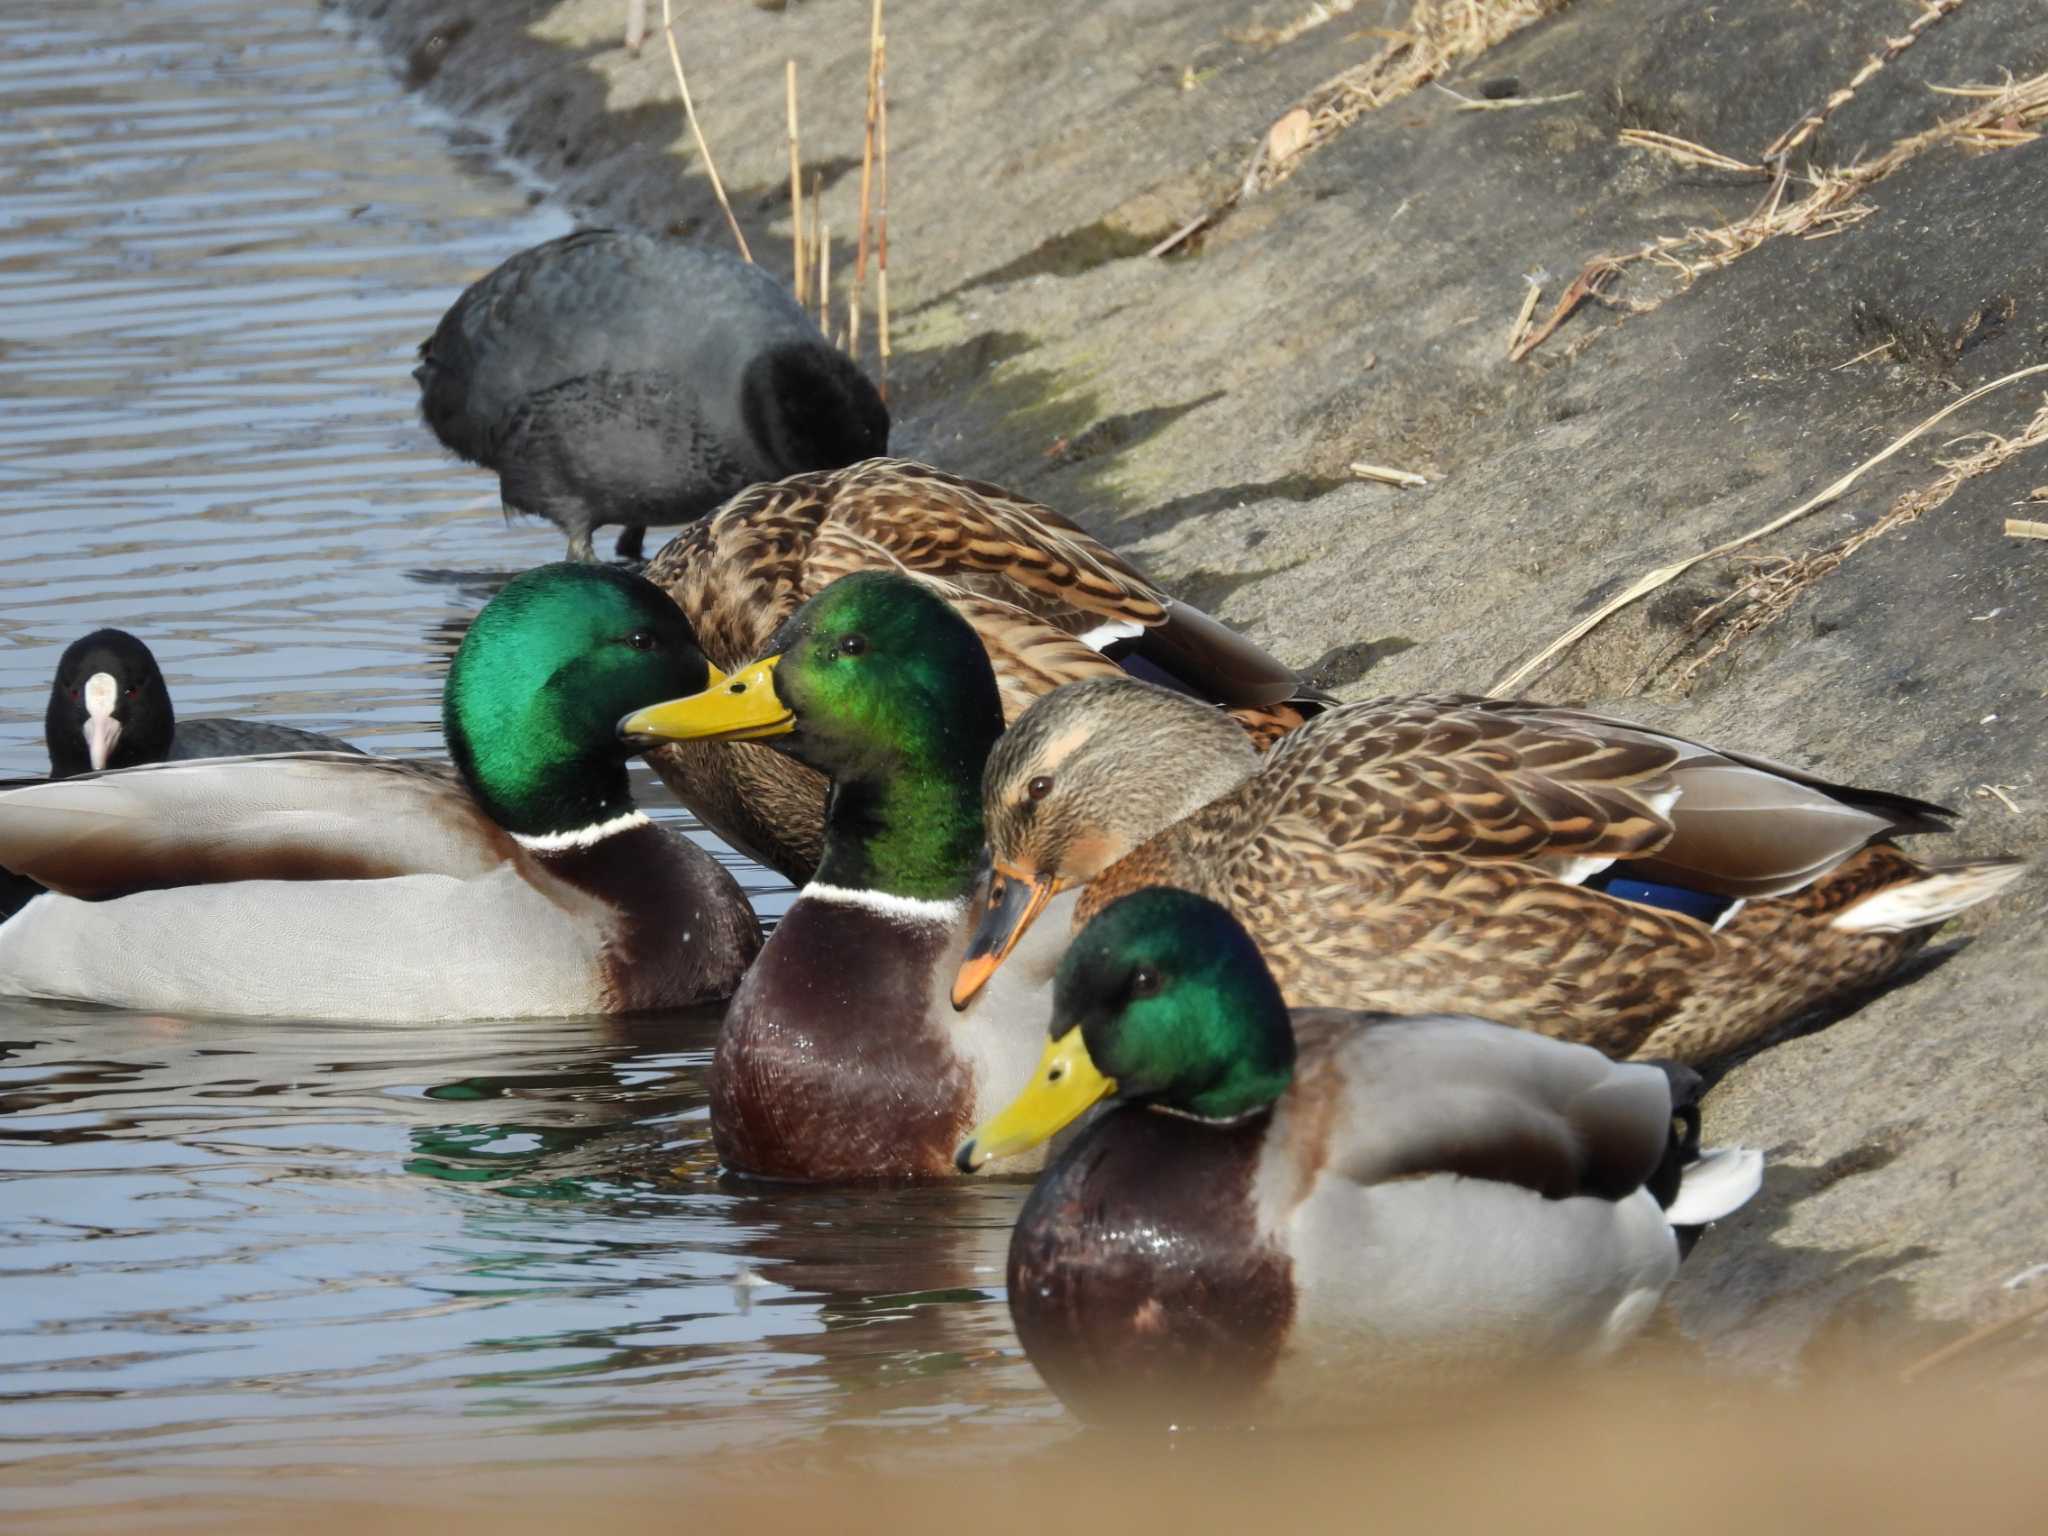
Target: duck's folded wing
1450,775
1011,548
1407,1097
309,816
1569,791
1748,826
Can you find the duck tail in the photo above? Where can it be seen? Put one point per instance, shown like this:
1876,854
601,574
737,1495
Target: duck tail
1934,896
1717,1183
1696,1187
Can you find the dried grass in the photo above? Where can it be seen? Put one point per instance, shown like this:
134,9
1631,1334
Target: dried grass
1437,35
1664,575
1685,152
800,267
675,59
1777,582
2003,116
1810,123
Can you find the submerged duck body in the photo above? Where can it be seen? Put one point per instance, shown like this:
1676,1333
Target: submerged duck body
1049,603
840,1056
342,886
613,377
1311,1214
1584,877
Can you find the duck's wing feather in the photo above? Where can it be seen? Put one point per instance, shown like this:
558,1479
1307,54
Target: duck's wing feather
768,549
1568,791
1396,1098
308,816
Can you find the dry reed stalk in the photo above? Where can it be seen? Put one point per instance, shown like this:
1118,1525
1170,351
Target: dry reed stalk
1406,478
675,59
636,25
1808,125
1685,152
2025,528
796,187
1770,594
824,279
1666,574
1589,284
1535,292
867,172
882,231
1829,206
1976,1336
814,255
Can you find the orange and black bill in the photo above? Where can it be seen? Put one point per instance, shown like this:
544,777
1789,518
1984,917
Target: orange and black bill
1014,902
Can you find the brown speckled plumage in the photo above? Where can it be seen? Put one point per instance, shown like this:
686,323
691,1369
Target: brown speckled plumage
1423,855
1029,581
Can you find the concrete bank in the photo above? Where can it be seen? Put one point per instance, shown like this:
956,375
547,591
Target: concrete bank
1747,341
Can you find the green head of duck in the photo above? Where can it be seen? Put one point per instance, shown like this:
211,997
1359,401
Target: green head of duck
540,681
1163,998
878,684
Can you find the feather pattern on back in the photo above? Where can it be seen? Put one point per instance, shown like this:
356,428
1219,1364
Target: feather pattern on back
1031,583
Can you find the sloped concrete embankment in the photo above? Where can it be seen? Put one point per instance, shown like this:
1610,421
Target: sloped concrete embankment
1748,340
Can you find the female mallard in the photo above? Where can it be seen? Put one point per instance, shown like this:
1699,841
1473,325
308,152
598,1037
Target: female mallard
839,1057
1284,1214
1050,604
110,708
1582,877
328,886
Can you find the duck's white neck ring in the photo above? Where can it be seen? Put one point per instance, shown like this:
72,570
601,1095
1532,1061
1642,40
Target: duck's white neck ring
580,837
905,908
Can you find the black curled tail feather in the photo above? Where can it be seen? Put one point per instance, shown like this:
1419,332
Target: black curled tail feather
1687,1088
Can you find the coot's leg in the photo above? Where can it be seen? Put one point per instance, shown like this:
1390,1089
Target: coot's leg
579,545
632,540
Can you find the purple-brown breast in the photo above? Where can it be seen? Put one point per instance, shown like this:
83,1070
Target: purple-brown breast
1139,1282
681,929
828,1065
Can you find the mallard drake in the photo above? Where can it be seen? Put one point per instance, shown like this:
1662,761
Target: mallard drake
1050,604
110,708
1306,1211
324,885
1588,878
613,377
839,1057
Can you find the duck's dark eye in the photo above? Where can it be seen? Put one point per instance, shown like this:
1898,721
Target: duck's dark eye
642,640
1039,787
132,692
1144,981
853,645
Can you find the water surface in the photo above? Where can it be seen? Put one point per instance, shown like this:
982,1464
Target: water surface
230,1249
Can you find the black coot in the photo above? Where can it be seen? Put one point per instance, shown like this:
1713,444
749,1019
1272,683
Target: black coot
109,708
611,377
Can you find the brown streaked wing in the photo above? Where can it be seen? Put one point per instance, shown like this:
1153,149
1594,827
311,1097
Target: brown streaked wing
300,816
988,538
1434,775
1030,658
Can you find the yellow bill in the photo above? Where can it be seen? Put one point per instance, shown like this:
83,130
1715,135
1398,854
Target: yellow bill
1014,902
741,707
1065,1084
